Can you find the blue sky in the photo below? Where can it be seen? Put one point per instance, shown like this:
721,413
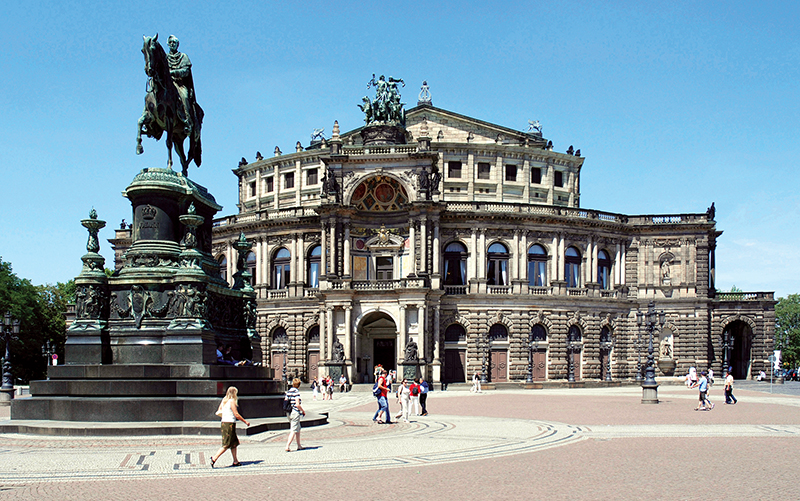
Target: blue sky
674,105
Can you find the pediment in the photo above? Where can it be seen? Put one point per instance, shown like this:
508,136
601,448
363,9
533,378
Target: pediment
458,128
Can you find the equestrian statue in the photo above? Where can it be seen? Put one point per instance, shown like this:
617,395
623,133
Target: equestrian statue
170,105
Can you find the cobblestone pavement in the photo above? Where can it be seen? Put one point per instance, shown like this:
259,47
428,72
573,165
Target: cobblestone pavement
563,444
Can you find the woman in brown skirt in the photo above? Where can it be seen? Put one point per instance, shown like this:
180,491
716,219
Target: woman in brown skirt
229,412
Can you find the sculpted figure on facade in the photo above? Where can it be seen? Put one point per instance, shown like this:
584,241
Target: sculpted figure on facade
411,351
386,108
338,351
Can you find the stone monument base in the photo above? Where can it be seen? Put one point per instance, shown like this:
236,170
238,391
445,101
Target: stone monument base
142,393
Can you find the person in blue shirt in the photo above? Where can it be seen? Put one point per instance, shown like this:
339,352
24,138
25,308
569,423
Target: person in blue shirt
702,385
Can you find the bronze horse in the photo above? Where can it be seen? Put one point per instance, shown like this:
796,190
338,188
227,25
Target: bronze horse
161,109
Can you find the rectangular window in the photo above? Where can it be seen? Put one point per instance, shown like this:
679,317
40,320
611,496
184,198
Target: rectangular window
252,188
270,185
511,172
536,175
484,169
288,180
383,268
454,169
558,179
311,177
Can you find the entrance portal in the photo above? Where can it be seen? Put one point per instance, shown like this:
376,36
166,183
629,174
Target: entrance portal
385,352
377,344
740,335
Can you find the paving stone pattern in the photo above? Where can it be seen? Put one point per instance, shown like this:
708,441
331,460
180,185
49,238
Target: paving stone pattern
563,444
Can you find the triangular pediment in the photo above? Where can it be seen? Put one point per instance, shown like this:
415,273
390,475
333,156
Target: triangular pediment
447,126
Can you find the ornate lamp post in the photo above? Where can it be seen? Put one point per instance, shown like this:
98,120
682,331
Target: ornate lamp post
638,352
47,352
10,329
484,349
726,351
650,321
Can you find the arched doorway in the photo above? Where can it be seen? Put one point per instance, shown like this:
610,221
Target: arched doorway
498,356
377,341
455,354
739,336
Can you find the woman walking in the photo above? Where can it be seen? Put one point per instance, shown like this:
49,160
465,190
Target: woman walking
229,412
293,395
404,397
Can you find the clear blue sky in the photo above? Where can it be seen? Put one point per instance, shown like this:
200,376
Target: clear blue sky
674,104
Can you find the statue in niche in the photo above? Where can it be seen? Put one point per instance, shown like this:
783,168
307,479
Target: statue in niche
411,351
338,351
665,272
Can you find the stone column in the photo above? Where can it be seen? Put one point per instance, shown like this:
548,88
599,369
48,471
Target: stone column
523,256
481,258
277,185
437,347
561,275
331,331
293,269
515,260
258,189
623,264
473,251
301,260
324,250
403,338
259,278
553,262
412,248
436,247
332,270
348,333
298,182
423,245
594,261
347,249
422,342
323,335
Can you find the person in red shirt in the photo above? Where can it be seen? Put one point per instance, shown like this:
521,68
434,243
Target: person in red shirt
383,401
415,390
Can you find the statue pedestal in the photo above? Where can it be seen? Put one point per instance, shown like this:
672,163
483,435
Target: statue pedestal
411,370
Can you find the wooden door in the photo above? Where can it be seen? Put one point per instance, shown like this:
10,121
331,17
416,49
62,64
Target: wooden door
277,365
540,365
313,365
498,368
454,361
576,361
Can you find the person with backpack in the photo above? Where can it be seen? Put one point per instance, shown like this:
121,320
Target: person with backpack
383,400
424,388
415,392
294,411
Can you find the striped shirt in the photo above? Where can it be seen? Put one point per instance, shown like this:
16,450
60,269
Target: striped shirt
294,395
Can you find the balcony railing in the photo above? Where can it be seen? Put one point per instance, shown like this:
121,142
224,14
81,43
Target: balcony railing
540,291
577,292
455,290
745,296
277,294
499,289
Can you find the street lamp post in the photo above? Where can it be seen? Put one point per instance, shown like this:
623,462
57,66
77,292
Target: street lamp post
638,353
47,352
726,350
485,348
10,329
650,320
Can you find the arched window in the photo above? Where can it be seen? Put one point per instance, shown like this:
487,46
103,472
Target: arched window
279,337
572,267
455,264
251,266
454,333
223,267
537,266
603,270
574,334
313,335
314,266
538,333
281,269
497,265
498,332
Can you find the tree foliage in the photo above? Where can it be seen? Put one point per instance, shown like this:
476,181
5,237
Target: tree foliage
40,310
787,329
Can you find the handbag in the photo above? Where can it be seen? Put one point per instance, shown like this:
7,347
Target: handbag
219,410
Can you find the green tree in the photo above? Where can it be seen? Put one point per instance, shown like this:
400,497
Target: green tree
787,329
40,311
